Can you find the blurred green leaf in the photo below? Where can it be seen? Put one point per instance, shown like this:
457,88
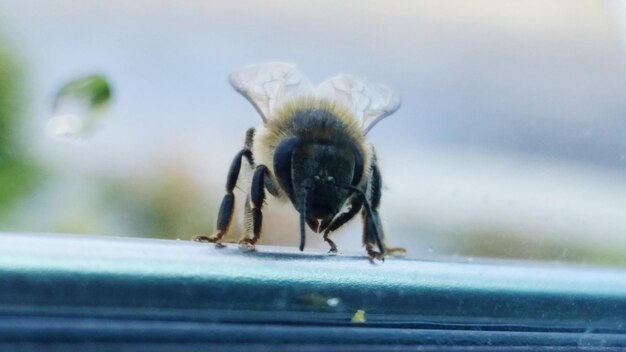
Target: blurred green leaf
79,104
19,173
18,176
94,89
9,117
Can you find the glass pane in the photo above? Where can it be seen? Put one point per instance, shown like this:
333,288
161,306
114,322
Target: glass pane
509,142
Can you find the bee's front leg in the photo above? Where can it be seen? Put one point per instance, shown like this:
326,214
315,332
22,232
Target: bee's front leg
257,198
355,205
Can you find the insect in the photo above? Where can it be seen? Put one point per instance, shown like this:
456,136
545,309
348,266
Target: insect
311,150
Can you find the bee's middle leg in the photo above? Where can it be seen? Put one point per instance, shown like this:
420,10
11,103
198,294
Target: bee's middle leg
257,198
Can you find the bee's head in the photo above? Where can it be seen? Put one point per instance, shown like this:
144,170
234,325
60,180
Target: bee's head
311,169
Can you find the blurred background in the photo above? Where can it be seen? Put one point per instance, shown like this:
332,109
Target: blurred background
511,141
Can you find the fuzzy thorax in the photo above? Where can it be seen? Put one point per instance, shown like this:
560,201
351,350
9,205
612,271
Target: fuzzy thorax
310,119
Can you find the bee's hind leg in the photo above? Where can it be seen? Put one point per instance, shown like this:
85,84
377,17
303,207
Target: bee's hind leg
225,214
373,234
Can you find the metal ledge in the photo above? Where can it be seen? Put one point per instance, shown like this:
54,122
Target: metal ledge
92,292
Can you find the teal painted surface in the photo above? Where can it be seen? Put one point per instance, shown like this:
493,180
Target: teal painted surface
111,275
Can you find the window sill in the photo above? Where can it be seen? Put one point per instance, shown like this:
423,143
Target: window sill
88,292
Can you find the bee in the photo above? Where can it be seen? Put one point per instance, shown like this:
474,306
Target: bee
312,151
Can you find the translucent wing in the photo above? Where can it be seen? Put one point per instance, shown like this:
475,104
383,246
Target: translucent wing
267,85
369,101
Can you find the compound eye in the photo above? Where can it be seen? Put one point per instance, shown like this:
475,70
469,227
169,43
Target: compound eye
358,165
282,164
